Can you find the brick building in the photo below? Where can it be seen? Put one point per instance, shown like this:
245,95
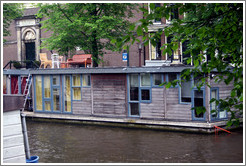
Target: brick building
26,37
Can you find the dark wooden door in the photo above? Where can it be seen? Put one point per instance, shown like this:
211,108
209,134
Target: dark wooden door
30,53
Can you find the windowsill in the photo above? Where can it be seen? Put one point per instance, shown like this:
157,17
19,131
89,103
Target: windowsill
157,62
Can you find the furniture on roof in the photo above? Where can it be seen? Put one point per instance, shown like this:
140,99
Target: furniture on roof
44,60
56,60
80,59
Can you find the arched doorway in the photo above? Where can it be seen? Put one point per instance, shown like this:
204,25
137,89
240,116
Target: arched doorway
29,47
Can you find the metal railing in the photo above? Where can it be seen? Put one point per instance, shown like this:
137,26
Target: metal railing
22,64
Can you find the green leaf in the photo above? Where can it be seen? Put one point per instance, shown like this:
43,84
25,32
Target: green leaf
152,6
139,31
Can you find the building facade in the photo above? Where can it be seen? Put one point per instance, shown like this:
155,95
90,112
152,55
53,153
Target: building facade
27,35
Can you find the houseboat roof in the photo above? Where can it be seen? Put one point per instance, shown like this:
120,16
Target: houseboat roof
100,70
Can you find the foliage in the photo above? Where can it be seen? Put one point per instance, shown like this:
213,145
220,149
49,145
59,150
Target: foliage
89,26
10,12
17,64
213,29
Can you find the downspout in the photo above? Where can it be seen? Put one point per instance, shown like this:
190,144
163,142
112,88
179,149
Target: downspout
24,130
144,58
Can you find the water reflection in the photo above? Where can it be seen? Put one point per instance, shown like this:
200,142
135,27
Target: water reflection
66,143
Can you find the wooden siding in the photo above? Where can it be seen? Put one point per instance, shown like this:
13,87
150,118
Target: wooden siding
174,109
13,143
156,109
83,107
224,90
109,95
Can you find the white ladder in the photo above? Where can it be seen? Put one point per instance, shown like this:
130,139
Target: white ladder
26,91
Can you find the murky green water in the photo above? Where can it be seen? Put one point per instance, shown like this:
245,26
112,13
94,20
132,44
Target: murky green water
68,143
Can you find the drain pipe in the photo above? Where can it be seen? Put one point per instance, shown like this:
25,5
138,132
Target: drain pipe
24,131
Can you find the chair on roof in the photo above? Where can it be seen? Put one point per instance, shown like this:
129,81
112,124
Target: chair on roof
56,60
44,60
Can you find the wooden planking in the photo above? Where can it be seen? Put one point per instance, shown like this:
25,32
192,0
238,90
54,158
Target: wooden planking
14,140
174,110
109,95
16,150
17,159
83,107
155,109
11,118
12,130
13,143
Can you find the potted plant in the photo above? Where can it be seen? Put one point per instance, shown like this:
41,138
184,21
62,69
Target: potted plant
17,65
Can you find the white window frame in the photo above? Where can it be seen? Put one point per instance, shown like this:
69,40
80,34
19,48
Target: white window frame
150,51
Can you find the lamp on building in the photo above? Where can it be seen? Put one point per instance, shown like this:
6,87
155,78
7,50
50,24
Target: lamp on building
140,49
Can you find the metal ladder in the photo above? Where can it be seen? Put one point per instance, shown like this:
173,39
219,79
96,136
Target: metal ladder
26,91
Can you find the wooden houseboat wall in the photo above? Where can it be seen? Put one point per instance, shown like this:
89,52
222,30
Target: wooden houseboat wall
123,93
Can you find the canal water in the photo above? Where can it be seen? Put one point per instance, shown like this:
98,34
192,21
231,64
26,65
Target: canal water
71,143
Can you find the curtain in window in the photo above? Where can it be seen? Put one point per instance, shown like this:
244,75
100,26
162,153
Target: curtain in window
77,93
56,99
38,95
47,106
47,86
67,94
153,52
145,79
14,85
86,80
76,80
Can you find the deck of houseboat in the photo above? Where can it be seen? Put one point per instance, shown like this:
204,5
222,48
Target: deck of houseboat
153,124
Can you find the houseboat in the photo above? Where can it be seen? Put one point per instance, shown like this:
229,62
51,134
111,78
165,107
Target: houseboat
125,95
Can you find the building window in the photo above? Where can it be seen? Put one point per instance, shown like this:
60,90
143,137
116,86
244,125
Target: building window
56,80
38,93
157,20
186,88
155,50
56,92
56,99
157,79
172,77
145,94
174,53
156,5
86,80
134,109
185,55
67,93
174,14
76,87
47,105
198,103
47,93
145,79
46,86
133,79
216,113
